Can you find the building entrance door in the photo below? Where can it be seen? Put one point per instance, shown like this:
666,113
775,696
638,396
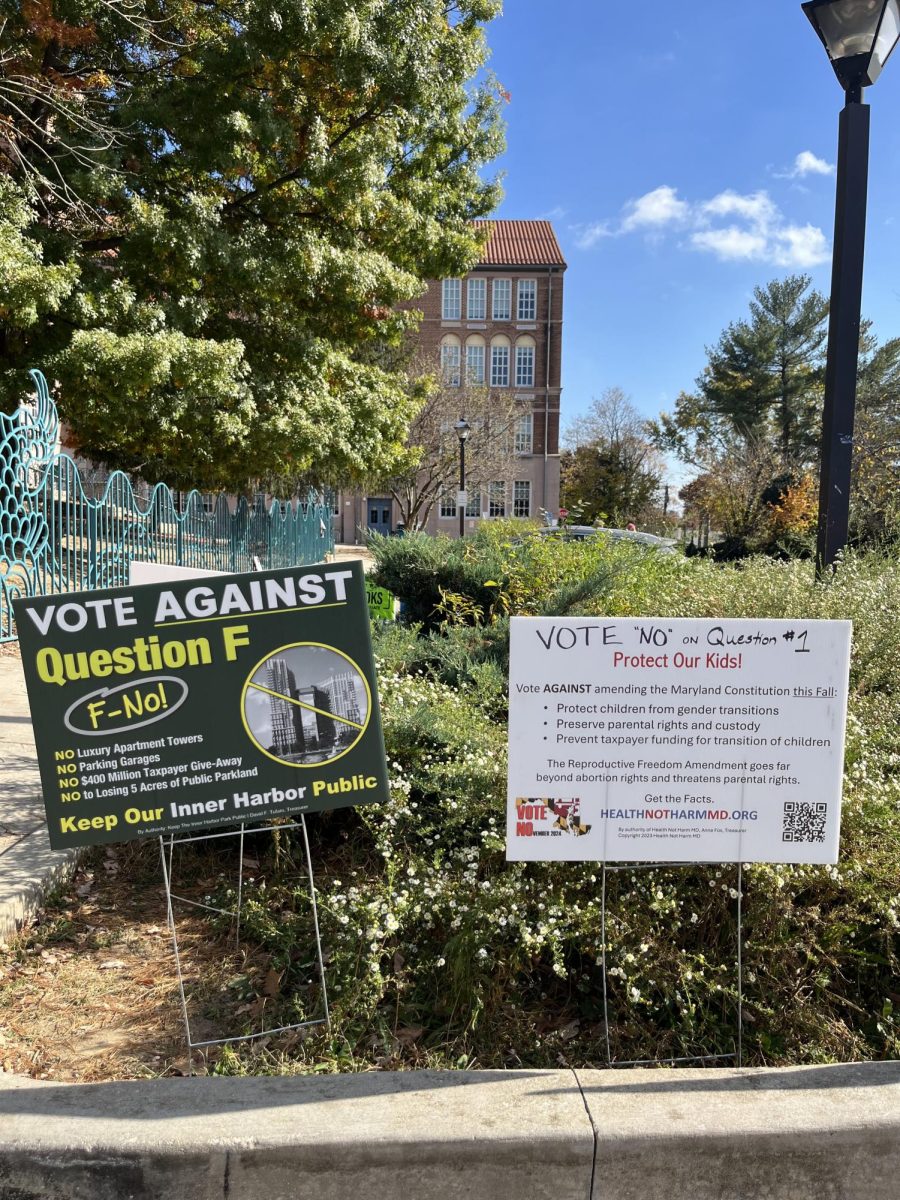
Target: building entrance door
378,512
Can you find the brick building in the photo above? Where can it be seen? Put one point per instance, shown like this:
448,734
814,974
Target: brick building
500,326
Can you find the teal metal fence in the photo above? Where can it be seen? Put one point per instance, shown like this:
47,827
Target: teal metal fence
61,531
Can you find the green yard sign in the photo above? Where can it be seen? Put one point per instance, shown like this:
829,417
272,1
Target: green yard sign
381,602
186,705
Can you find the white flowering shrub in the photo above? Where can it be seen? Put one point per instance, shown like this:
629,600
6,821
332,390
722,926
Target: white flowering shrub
440,953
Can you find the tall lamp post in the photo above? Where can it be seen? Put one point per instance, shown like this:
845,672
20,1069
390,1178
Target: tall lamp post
859,36
463,429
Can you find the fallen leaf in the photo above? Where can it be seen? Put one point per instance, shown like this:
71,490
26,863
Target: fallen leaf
410,1033
272,984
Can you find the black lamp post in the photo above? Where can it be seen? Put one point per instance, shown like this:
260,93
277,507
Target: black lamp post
859,36
463,429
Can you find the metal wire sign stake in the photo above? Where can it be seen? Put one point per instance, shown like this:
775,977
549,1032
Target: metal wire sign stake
167,848
738,1053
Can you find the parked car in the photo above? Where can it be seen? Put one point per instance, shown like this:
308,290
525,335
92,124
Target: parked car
580,533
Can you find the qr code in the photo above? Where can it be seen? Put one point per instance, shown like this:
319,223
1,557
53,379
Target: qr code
803,822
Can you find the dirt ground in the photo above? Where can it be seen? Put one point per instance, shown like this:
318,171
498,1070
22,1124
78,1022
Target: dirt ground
89,991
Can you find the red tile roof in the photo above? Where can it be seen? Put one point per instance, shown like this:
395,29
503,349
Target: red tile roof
521,244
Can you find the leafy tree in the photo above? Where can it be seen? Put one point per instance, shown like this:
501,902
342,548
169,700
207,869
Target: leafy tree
610,470
431,465
237,202
736,495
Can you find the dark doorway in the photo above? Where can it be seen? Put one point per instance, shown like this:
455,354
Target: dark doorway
378,515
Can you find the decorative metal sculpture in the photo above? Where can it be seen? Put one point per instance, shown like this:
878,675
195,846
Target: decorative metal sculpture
55,537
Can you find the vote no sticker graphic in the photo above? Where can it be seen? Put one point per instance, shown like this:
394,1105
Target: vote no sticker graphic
305,704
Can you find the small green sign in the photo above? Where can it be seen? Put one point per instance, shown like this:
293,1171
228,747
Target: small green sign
186,705
382,603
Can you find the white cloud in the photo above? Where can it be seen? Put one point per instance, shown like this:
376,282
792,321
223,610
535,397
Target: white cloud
589,235
757,209
733,226
654,210
806,163
801,246
731,244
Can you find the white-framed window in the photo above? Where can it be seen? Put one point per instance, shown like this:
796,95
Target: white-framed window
448,504
526,307
524,366
473,504
451,299
499,365
497,499
475,362
476,299
524,440
450,364
501,300
522,498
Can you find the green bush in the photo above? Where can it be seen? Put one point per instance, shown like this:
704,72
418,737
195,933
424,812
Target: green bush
420,570
440,953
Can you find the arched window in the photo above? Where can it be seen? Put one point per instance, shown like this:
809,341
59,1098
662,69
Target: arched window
475,360
500,362
525,362
451,355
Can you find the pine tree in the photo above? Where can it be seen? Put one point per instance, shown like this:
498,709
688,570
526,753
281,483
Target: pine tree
765,375
763,380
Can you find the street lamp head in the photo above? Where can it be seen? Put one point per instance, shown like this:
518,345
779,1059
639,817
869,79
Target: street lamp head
463,429
858,35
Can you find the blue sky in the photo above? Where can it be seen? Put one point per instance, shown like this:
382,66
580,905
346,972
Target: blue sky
684,153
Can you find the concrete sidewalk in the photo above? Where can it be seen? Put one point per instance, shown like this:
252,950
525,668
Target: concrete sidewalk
27,864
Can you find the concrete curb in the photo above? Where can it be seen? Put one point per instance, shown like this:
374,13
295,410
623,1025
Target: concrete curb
794,1133
523,1135
806,1133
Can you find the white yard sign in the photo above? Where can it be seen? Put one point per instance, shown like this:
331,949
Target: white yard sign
644,740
